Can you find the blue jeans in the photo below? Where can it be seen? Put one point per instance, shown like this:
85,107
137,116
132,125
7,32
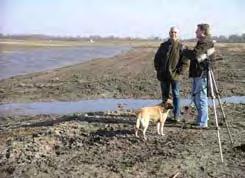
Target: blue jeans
165,88
200,99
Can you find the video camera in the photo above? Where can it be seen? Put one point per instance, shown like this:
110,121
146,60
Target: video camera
205,59
205,56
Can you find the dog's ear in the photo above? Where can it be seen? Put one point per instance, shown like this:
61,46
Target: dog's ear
162,104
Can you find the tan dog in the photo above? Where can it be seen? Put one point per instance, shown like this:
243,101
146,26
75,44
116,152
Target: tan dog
156,113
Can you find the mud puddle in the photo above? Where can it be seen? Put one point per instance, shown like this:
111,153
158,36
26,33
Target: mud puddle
58,107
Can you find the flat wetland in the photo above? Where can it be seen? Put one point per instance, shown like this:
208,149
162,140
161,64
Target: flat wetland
102,145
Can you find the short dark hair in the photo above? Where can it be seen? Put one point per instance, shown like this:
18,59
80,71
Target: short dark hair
205,28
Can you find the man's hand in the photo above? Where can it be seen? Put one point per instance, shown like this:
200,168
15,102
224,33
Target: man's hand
203,57
210,51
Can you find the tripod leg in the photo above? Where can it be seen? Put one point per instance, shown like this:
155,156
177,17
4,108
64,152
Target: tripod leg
215,114
222,110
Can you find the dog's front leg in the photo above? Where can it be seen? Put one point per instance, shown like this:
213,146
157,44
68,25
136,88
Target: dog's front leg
158,128
161,125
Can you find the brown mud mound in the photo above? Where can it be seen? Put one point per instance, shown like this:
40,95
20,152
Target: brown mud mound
101,146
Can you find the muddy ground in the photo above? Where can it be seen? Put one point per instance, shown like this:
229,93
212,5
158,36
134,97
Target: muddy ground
97,145
129,75
100,145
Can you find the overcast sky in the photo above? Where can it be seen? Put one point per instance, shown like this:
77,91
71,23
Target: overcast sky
135,18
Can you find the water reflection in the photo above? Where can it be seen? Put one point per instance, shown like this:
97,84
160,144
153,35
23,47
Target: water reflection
22,61
89,105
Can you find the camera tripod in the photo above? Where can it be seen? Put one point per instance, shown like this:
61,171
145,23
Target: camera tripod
212,86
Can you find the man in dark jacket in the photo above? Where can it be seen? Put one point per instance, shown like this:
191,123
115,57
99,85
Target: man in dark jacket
169,64
200,56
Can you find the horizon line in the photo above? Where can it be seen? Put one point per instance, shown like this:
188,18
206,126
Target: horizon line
102,36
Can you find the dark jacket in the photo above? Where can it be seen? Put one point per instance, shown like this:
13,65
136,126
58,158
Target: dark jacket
198,68
168,61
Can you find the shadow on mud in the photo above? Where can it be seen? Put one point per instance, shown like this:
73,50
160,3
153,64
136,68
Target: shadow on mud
240,148
48,122
90,119
112,133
